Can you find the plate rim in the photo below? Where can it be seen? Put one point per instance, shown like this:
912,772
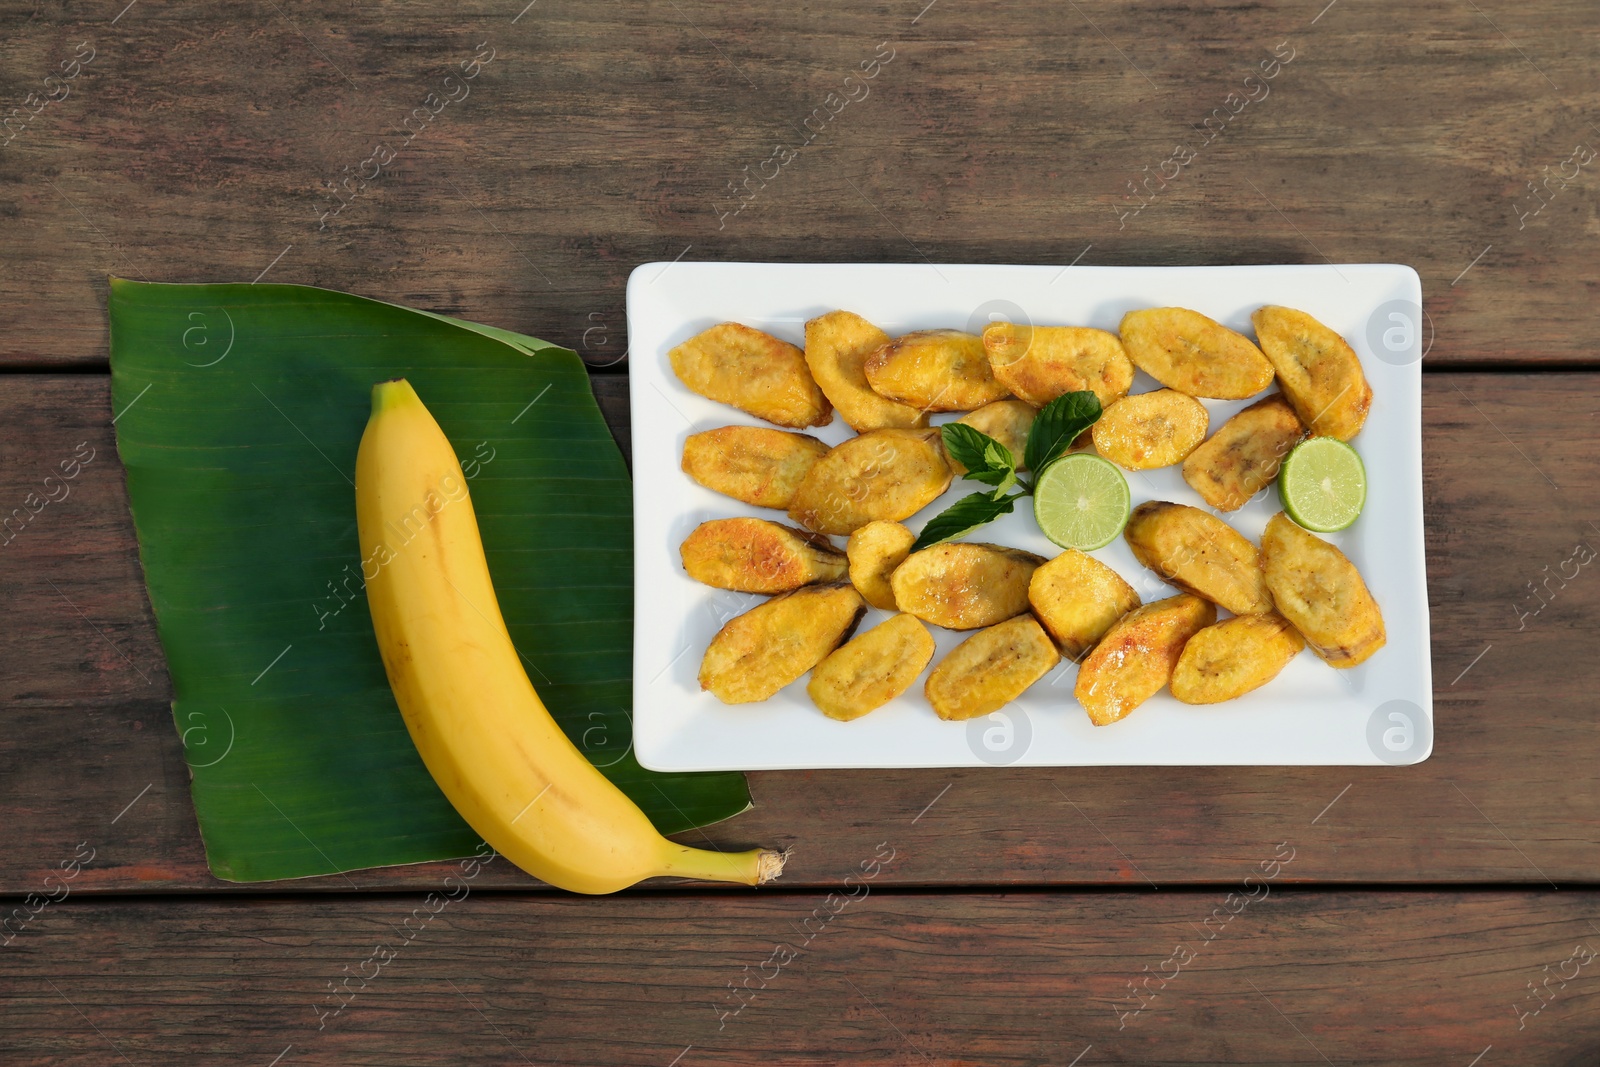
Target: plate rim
1402,274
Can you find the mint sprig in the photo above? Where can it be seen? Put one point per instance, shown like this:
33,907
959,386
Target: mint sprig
991,463
986,459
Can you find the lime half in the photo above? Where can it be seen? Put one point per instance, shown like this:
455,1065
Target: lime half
1323,484
1081,501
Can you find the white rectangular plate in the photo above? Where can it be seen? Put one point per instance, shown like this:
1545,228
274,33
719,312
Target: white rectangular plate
1379,712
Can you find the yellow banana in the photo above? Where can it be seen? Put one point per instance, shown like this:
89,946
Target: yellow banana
475,718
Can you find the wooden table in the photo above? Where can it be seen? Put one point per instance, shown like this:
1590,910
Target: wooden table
1432,914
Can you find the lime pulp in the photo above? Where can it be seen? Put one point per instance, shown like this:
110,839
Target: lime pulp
1081,501
1323,484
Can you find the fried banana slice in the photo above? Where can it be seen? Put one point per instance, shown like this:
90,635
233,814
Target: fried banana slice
1317,370
1200,554
753,371
1150,430
757,556
1234,656
1040,363
965,584
990,669
837,347
1194,354
1243,456
758,653
1136,656
1007,421
755,464
881,474
1078,598
871,669
874,552
934,370
1321,592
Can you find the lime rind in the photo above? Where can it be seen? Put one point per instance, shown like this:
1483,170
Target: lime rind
1323,485
1082,501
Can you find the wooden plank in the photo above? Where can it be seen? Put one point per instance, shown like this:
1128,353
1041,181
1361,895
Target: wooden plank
1035,978
1509,794
197,146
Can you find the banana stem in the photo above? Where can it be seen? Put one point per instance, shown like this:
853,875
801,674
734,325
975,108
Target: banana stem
755,867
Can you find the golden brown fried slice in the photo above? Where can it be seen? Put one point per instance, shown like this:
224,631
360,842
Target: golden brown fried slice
1007,421
965,584
1194,354
1243,456
757,556
874,552
1233,657
934,370
1199,553
754,372
1150,430
871,669
990,669
881,474
837,347
1077,598
1322,593
1040,363
758,653
1317,370
1136,656
755,464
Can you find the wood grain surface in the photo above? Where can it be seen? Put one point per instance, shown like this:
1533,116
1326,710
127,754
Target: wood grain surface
1309,978
1508,796
207,142
1425,915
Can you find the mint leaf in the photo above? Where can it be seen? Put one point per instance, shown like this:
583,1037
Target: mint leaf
1005,484
998,455
976,451
964,515
1057,423
1003,478
987,460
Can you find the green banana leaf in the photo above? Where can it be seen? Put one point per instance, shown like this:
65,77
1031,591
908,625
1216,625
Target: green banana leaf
238,410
